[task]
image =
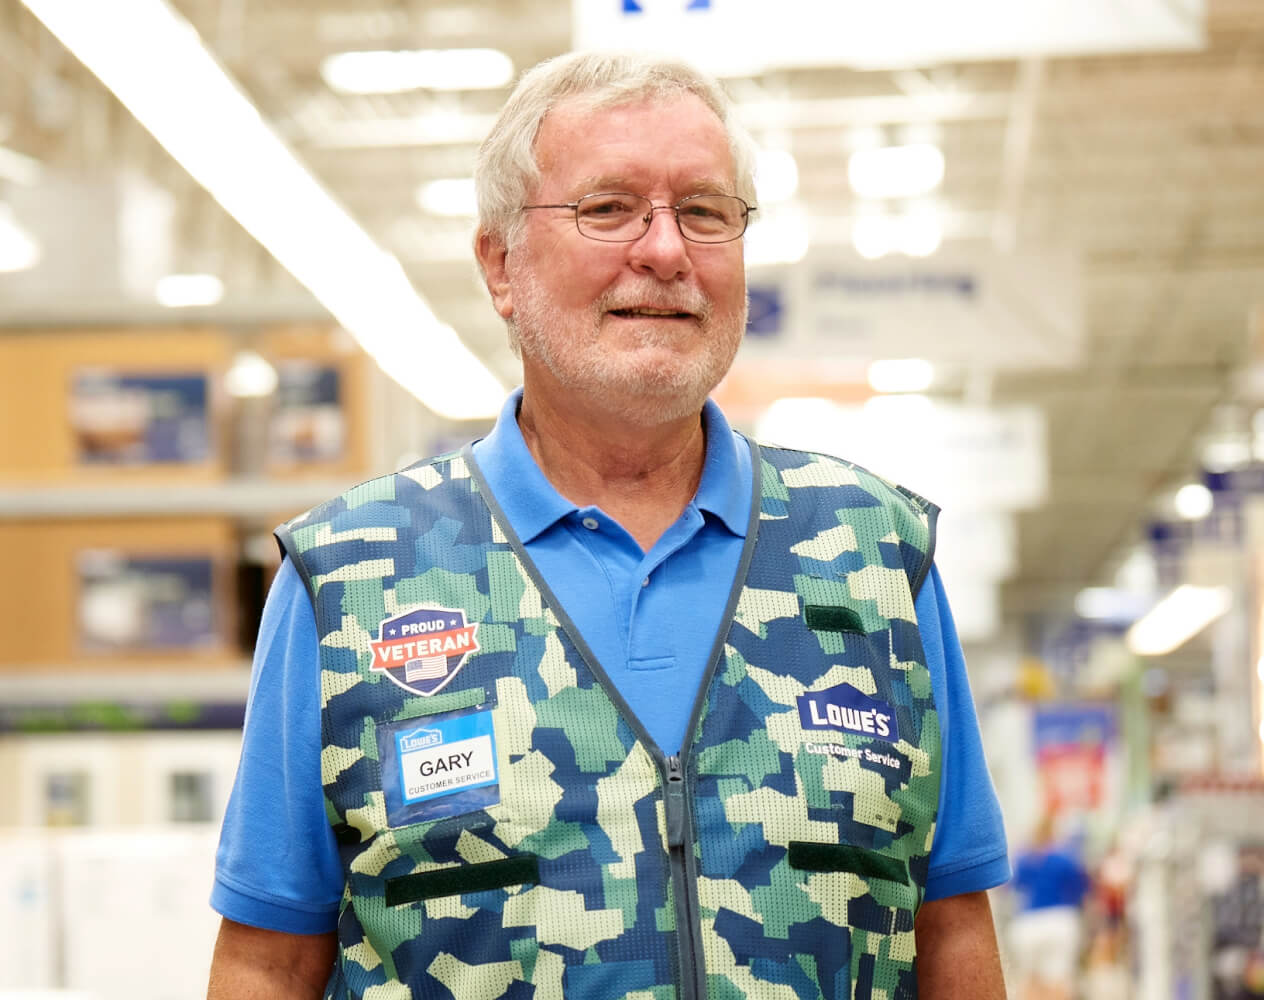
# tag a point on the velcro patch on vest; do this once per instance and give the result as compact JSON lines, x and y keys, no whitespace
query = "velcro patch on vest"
{"x":807,"y":856}
{"x":438,"y":766}
{"x":521,"y":869}
{"x":830,"y":618}
{"x":845,"y":709}
{"x":422,"y":649}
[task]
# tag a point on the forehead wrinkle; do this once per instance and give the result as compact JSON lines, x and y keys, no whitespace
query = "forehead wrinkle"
{"x":614,"y":183}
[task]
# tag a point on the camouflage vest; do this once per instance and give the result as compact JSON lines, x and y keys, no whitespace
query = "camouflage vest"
{"x":509,"y":830}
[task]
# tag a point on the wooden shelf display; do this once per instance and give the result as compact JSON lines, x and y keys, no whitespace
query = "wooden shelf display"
{"x":129,"y":476}
{"x":317,"y":420}
{"x":93,"y":590}
{"x":150,"y":406}
{"x":102,"y":405}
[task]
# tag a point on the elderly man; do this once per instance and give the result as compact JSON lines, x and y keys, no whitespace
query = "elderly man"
{"x":613,"y":702}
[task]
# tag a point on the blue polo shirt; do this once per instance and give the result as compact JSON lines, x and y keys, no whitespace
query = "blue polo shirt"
{"x":650,"y":618}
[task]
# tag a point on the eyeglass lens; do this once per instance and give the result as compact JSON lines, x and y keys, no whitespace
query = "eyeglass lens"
{"x":618,"y":217}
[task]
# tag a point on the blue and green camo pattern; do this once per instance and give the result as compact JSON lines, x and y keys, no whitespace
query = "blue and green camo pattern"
{"x":782,"y":855}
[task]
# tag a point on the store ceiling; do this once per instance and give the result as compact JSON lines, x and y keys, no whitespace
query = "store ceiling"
{"x":1150,"y":166}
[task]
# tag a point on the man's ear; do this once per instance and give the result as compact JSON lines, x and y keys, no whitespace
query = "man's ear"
{"x":493,"y":259}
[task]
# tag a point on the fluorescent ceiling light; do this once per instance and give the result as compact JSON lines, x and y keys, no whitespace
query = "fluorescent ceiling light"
{"x":251,"y":376}
{"x":19,"y":250}
{"x":1177,"y":618}
{"x":449,"y":196}
{"x":901,"y":375}
{"x":1225,"y":453}
{"x":900,"y":414}
{"x":419,"y":69}
{"x":916,"y":234}
{"x":778,"y":236}
{"x":872,"y":236}
{"x":1110,"y":604}
{"x":920,"y":234}
{"x":776,"y":176}
{"x":180,"y":290}
{"x":1096,"y":602}
{"x":896,"y":171}
{"x":154,"y":62}
{"x":1193,"y":501}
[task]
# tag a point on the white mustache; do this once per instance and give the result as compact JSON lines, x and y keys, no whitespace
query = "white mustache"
{"x":684,"y":299}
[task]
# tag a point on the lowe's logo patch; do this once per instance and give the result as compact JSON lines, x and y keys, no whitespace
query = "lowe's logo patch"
{"x":422,"y":649}
{"x":845,"y":709}
{"x":420,"y":739}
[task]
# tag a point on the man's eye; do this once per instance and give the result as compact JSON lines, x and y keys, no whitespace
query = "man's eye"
{"x":606,"y":207}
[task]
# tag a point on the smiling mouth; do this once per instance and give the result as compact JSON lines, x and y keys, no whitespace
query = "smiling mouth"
{"x":645,"y":312}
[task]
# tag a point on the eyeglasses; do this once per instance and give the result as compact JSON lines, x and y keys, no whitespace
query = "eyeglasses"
{"x":619,"y":217}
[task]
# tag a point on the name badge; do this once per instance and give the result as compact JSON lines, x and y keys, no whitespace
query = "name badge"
{"x":439,"y":766}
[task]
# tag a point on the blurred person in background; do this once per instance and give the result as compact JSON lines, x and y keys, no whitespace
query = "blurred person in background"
{"x":1106,"y":913}
{"x":613,"y":701}
{"x":1046,"y":931}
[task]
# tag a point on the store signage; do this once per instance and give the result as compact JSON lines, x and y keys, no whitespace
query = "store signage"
{"x":965,"y":458}
{"x":1073,"y":744}
{"x":741,"y":37}
{"x":971,"y":307}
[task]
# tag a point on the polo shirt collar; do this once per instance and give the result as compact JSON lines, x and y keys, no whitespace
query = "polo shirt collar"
{"x":533,"y":506}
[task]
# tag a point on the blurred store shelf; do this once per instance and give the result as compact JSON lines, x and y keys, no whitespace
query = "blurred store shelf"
{"x":233,"y":497}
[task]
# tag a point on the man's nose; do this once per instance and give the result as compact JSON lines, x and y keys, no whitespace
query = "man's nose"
{"x":662,"y":249}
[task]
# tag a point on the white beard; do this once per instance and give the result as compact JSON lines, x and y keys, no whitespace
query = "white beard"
{"x":633,"y":390}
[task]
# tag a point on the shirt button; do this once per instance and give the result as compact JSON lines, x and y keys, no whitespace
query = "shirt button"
{"x":645,"y":582}
{"x":590,"y":523}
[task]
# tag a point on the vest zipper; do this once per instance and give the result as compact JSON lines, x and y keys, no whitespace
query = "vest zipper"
{"x":676,"y":810}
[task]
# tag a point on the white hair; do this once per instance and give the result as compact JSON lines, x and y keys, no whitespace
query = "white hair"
{"x":505,"y":169}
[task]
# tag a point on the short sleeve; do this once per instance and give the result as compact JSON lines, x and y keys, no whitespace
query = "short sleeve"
{"x":277,"y":864}
{"x":969,"y":852}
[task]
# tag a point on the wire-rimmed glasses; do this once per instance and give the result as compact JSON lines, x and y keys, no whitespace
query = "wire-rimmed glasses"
{"x":620,"y":217}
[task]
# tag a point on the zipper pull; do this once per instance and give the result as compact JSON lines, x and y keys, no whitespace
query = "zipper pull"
{"x":674,"y":803}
